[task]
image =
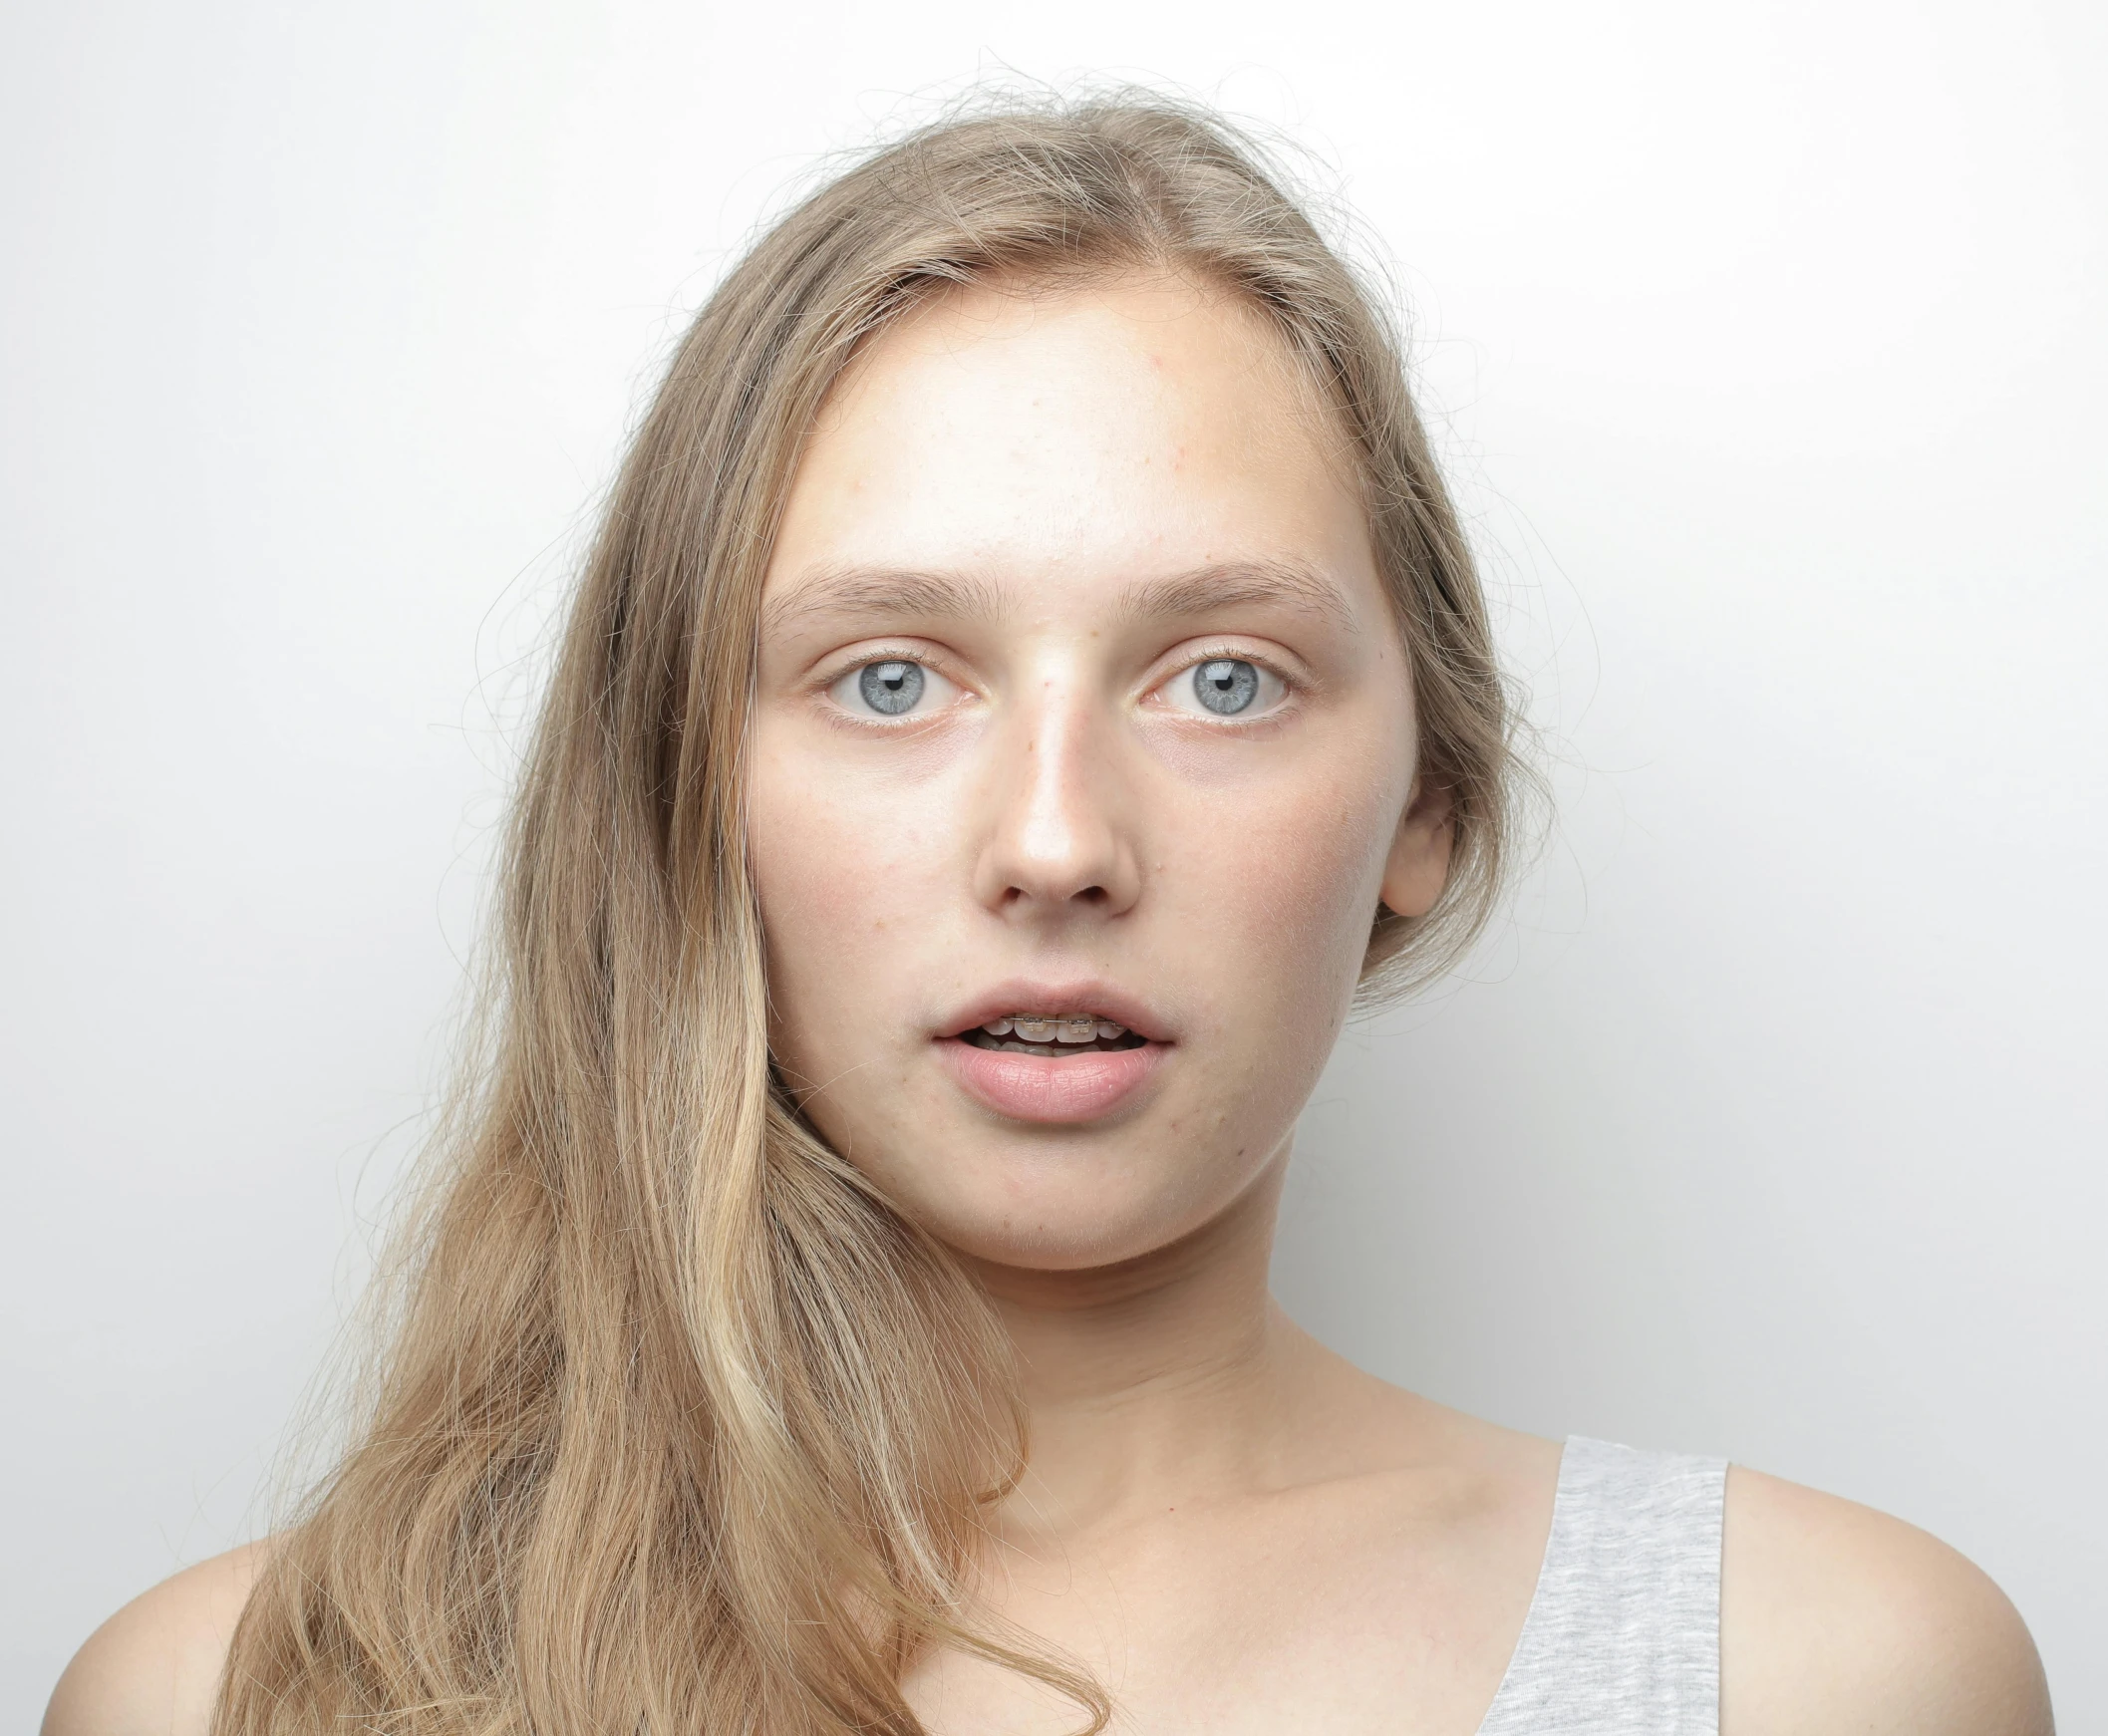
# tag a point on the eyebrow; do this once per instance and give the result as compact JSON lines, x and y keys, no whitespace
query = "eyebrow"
{"x":1289,"y":584}
{"x":885,"y":593}
{"x":881,"y":593}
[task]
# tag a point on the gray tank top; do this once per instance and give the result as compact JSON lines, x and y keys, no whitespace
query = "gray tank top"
{"x":1622,"y":1637}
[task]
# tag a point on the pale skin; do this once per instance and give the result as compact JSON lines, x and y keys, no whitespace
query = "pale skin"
{"x":1094,"y":491}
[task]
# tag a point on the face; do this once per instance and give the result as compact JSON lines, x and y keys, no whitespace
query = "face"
{"x":1084,"y":752}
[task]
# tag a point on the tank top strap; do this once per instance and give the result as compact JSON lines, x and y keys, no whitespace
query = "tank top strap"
{"x":1622,"y":1637}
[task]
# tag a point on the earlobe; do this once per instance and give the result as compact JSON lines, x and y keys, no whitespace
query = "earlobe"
{"x":1418,"y":865}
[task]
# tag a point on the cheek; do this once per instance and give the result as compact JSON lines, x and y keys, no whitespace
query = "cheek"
{"x":806,"y":885}
{"x":846,"y":875}
{"x":1295,"y":868}
{"x":1274,"y":902}
{"x":1326,"y":868}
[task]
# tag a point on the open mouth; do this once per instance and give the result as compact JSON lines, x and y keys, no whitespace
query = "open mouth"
{"x":1066,"y":1067}
{"x":1055,"y":1035}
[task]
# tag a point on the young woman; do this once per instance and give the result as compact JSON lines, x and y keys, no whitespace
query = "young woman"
{"x":1028,"y":685}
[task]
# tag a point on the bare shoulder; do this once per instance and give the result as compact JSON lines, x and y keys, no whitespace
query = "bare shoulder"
{"x":1835,"y":1617}
{"x":151,"y":1670}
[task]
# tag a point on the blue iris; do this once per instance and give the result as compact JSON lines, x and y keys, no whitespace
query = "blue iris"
{"x":1226,"y":685}
{"x":891,"y":687}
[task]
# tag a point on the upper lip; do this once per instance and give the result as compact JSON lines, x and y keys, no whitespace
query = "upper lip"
{"x":1073,"y":996}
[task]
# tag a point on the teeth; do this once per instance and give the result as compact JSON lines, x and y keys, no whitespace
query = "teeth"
{"x":1074,"y":1027}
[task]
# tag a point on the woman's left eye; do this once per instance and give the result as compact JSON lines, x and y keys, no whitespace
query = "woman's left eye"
{"x":892,"y":687}
{"x":1225,"y":686}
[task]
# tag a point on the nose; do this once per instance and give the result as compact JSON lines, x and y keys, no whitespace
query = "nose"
{"x":1059,"y":841}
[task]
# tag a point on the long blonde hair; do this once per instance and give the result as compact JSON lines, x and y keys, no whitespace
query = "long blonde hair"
{"x":683,"y":1428}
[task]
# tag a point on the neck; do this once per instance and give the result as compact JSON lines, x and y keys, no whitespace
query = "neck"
{"x":1156,"y":1380}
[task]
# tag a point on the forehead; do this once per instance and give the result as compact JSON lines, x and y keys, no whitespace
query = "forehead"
{"x":1112,"y":432}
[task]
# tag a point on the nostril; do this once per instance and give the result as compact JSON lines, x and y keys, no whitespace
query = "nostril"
{"x":1087,"y":895}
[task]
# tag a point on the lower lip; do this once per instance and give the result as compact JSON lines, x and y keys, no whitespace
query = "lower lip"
{"x":1053,"y":1090}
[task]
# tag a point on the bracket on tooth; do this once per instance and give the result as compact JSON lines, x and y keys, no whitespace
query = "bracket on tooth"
{"x":1076,"y":1028}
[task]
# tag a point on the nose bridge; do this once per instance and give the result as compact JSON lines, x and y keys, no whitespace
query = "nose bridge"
{"x":1061,"y":839}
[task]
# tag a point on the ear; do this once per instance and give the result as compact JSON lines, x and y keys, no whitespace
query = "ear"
{"x":1418,"y":865}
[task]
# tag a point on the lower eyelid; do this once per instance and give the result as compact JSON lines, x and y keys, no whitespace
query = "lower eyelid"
{"x":1290,"y":688}
{"x":953,"y":690}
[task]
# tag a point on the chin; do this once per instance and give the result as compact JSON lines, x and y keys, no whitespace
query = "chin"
{"x":1055,"y":1248}
{"x":1021,"y":1217}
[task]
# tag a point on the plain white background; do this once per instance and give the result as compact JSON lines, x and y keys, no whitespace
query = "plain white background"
{"x":1765,"y":344}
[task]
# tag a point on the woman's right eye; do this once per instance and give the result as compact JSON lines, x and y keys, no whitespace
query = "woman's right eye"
{"x":893,"y":687}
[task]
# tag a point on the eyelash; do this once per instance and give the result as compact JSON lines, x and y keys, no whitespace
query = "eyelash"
{"x":883,"y":653}
{"x":833,"y":672}
{"x":1235,"y":654}
{"x":1240,"y":654}
{"x":913,"y":654}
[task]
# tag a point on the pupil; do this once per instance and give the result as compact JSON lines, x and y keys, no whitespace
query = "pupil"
{"x":891,"y":687}
{"x":1227,"y":686}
